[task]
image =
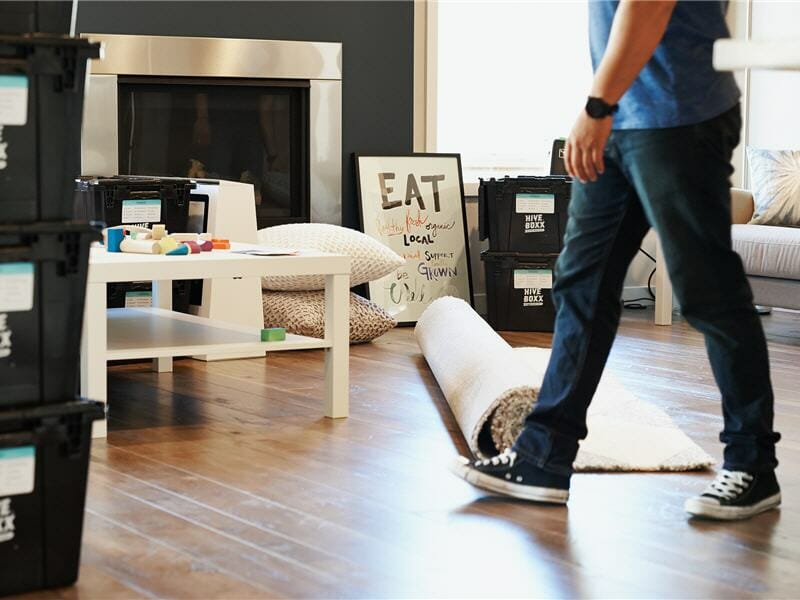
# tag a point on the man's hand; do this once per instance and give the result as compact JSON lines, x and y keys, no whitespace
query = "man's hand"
{"x":583,"y":154}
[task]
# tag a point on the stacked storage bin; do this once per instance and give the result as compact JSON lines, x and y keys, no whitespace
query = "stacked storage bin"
{"x":145,"y":201}
{"x":524,"y":219}
{"x":45,"y":430}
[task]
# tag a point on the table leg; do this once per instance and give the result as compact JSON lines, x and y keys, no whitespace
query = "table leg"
{"x":663,"y":289}
{"x":93,"y":350}
{"x":162,"y":298}
{"x":337,"y":357}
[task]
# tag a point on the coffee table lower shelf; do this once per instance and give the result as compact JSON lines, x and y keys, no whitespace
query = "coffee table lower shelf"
{"x":135,"y":333}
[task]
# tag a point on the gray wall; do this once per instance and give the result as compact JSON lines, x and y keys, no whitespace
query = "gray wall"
{"x":377,"y":37}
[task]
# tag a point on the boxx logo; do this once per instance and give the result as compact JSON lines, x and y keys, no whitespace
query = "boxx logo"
{"x":533,"y":297}
{"x":534,"y":223}
{"x":7,"y":527}
{"x":3,"y":151}
{"x":5,"y":336}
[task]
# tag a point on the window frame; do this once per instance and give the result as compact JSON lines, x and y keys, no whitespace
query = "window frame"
{"x":426,"y":22}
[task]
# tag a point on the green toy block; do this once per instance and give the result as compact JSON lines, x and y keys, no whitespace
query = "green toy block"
{"x":273,"y":334}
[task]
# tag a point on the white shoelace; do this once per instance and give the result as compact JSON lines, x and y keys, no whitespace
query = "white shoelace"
{"x":729,"y":484}
{"x":507,"y":457}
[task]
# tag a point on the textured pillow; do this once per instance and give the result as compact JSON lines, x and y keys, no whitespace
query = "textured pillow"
{"x":775,"y":179}
{"x":370,"y":259}
{"x":303,"y":313}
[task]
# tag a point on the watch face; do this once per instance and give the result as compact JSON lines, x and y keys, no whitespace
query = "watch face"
{"x":596,"y":108}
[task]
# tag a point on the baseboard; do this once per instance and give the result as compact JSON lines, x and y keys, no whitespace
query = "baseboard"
{"x":632,"y":292}
{"x":479,"y":303}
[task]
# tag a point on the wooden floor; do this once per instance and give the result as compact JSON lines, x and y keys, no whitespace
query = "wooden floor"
{"x":222,"y":480}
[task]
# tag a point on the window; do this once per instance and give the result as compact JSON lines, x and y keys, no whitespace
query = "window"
{"x":511,"y":77}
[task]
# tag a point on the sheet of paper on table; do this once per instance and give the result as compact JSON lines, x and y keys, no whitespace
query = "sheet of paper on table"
{"x":265,"y":251}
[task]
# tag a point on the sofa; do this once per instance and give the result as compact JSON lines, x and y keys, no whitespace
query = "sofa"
{"x":771,"y":255}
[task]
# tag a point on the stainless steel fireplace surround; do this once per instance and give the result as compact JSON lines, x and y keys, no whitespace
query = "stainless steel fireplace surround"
{"x":319,"y":64}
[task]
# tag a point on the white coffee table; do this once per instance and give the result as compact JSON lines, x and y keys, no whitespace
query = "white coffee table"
{"x":160,"y":334}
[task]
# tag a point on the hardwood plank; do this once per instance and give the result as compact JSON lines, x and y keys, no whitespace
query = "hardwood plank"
{"x":223,"y":480}
{"x":156,"y":568}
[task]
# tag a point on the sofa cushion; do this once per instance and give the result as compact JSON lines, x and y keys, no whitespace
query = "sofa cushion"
{"x":775,"y":176}
{"x":768,"y":251}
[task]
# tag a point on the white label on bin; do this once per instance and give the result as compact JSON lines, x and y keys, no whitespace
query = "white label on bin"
{"x":141,"y":211}
{"x":16,"y":286}
{"x":536,"y":203}
{"x":138,"y":299}
{"x":17,"y":472}
{"x":533,"y":278}
{"x":13,"y":100}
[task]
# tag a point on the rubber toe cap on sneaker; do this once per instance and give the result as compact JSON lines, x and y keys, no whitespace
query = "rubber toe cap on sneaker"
{"x":459,"y":466}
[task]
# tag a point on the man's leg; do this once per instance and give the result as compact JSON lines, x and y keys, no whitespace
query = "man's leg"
{"x":605,"y":230}
{"x":682,"y":178}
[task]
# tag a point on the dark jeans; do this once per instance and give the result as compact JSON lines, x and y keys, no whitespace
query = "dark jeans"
{"x":676,"y":179}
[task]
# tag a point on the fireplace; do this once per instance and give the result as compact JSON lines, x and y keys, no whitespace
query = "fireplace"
{"x":254,"y":132}
{"x":263,"y":112}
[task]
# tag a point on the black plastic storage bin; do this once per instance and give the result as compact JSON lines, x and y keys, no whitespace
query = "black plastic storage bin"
{"x":50,"y":16}
{"x":41,"y":508}
{"x":139,"y":293}
{"x":42,"y":80}
{"x":525,"y":215}
{"x":43,"y":269}
{"x":133,"y":200}
{"x":519,"y":291}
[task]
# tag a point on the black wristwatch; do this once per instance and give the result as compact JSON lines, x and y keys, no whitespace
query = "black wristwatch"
{"x":597,"y":108}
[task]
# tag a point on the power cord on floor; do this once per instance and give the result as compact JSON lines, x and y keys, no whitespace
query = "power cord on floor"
{"x":636,"y":303}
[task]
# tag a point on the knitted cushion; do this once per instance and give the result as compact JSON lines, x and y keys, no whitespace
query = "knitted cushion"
{"x":303,"y":313}
{"x":370,"y":259}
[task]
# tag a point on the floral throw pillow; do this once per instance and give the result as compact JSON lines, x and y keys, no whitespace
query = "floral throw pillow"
{"x":775,"y":179}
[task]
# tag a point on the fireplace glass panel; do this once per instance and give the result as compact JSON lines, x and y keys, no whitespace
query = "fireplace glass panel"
{"x":239,"y":130}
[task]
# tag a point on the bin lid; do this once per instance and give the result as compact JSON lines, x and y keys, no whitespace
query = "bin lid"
{"x":523,"y":179}
{"x":49,"y":39}
{"x":489,"y":256}
{"x":91,"y":409}
{"x":113,"y":181}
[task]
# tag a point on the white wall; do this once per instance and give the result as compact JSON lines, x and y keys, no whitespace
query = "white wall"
{"x":774,"y":95}
{"x":738,"y":23}
{"x":639,"y":271}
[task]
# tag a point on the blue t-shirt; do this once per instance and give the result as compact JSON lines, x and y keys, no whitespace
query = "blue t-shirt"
{"x":678,"y":86}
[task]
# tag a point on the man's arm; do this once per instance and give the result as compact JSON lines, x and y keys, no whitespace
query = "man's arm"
{"x":636,"y":32}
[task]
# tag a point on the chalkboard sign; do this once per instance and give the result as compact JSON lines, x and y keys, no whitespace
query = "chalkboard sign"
{"x":415,"y":205}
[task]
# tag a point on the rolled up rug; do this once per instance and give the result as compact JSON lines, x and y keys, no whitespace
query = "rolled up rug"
{"x":491,"y":387}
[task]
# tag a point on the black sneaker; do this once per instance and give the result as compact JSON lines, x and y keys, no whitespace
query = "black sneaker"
{"x":511,"y":475}
{"x":736,"y":495}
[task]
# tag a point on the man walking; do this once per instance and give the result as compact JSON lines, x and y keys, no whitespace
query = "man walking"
{"x":652,"y":148}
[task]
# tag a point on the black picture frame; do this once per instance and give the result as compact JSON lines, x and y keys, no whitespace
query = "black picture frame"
{"x":359,"y":192}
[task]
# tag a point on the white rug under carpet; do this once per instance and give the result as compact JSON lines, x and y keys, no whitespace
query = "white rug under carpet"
{"x":491,"y":387}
